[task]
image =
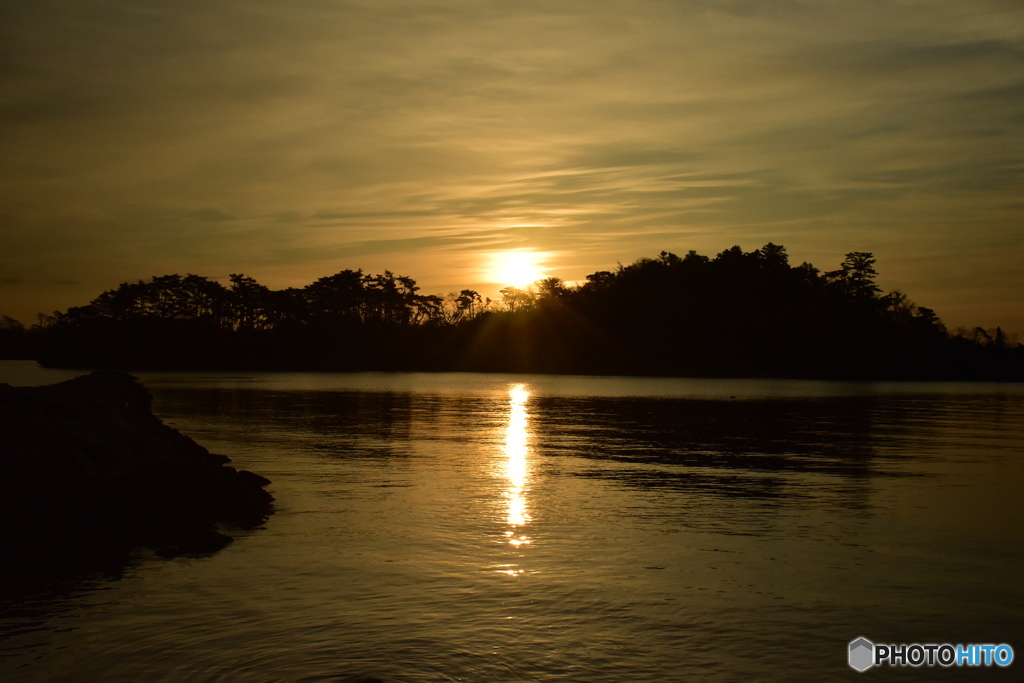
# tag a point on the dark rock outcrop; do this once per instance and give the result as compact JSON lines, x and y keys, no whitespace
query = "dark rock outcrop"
{"x":87,"y":473}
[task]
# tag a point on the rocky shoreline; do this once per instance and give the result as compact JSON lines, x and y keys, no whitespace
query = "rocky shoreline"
{"x":88,"y":473}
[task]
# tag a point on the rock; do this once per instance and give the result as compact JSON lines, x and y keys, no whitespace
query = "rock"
{"x":87,"y":472}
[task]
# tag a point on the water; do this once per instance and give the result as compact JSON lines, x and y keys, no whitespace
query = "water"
{"x":520,"y":528}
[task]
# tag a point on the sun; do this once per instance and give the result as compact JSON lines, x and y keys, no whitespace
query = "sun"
{"x":516,"y":267}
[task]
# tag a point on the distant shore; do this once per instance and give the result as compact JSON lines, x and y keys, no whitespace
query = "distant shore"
{"x":739,"y":314}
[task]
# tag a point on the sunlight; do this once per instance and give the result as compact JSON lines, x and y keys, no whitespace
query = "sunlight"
{"x":516,"y":466}
{"x":518,"y":267}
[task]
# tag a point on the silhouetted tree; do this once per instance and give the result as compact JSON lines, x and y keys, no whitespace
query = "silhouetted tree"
{"x":772,"y":257}
{"x":516,"y":299}
{"x":336,"y":300}
{"x":737,"y":314}
{"x":856,"y":276}
{"x":551,"y":290}
{"x":249,"y":302}
{"x":469,"y":304}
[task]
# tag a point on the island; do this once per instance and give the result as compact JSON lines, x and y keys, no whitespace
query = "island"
{"x":738,"y":314}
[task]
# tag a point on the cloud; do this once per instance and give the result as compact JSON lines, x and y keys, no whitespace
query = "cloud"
{"x":287,"y":136}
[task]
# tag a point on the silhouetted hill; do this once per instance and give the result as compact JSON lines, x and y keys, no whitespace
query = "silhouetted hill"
{"x":739,"y":314}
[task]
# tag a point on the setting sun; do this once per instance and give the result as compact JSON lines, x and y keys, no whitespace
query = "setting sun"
{"x":517,"y":268}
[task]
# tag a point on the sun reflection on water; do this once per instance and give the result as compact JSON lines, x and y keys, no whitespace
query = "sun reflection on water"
{"x":517,"y":450}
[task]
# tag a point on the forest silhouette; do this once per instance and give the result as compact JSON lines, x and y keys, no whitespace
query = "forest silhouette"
{"x":739,"y":314}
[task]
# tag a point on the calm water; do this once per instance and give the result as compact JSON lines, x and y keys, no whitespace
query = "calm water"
{"x":524,"y":528}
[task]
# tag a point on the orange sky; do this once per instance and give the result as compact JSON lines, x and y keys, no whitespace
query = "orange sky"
{"x":289,"y":140}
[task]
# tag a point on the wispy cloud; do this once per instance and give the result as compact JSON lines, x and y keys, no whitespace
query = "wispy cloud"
{"x":291,"y":139}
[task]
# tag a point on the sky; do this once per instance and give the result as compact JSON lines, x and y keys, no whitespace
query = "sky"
{"x":291,"y":139}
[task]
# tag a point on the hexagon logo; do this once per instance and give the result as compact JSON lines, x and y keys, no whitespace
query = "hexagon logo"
{"x":862,"y":654}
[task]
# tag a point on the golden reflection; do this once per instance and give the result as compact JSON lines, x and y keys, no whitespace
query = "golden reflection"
{"x":517,"y":450}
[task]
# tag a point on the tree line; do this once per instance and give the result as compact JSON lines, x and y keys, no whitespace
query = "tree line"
{"x":738,"y":314}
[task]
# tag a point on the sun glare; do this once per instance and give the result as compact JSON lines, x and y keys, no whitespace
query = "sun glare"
{"x":517,"y":268}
